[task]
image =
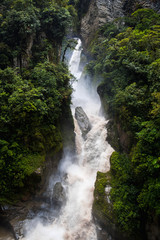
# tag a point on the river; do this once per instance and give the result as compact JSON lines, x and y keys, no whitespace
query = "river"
{"x":76,"y":173}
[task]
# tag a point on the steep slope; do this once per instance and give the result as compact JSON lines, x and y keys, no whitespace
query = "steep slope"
{"x":127,"y":59}
{"x":103,"y":11}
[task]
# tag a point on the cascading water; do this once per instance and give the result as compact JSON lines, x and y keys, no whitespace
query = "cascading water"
{"x":77,"y":173}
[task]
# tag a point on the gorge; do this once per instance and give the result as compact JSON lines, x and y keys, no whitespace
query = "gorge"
{"x":76,"y":173}
{"x":59,"y":184}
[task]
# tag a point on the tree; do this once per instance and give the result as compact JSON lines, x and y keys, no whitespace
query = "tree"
{"x":128,"y":63}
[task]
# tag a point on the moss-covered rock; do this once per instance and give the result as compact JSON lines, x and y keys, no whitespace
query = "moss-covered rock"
{"x":101,"y":206}
{"x":103,"y":209}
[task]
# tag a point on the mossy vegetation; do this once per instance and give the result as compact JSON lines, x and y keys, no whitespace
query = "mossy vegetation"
{"x":101,"y":205}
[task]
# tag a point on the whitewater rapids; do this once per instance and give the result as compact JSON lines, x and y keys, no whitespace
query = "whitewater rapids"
{"x":77,"y":173}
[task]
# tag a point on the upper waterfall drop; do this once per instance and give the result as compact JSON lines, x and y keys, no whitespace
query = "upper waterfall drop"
{"x":75,"y":60}
{"x":84,"y":95}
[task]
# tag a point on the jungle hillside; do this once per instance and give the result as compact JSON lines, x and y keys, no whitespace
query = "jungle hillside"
{"x":126,"y":56}
{"x":34,"y":89}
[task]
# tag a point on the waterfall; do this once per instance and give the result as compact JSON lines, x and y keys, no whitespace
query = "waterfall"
{"x":77,"y":173}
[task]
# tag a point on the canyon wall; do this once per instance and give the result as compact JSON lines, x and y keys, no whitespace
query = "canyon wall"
{"x":99,"y":12}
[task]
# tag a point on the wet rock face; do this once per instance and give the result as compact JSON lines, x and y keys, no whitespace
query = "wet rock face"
{"x":103,"y":11}
{"x":89,"y":24}
{"x":99,"y":13}
{"x":59,"y":196}
{"x":83,"y":121}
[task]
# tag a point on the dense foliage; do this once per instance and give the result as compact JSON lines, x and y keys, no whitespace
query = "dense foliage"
{"x":24,"y":22}
{"x":34,"y":88}
{"x":128,"y":59}
{"x":102,"y":208}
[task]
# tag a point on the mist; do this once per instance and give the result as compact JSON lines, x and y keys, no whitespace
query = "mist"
{"x":76,"y":173}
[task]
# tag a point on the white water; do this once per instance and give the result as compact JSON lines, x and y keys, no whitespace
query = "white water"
{"x":78,"y":173}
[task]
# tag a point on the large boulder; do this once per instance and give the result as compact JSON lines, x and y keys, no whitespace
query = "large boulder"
{"x":59,"y":196}
{"x":83,"y":121}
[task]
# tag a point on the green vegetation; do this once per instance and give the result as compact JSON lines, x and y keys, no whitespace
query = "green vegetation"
{"x":101,"y":207}
{"x":30,"y":28}
{"x":128,"y":59}
{"x":34,"y":88}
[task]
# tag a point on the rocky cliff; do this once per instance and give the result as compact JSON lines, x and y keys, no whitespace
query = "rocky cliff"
{"x":103,"y":11}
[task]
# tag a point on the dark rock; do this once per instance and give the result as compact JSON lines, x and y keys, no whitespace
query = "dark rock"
{"x":83,"y":6}
{"x":82,"y":120}
{"x":59,"y":196}
{"x":119,"y":139}
{"x":67,"y":128}
{"x":23,"y":60}
{"x":6,"y":229}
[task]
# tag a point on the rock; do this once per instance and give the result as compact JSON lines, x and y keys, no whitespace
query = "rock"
{"x":102,"y":210}
{"x":59,"y":196}
{"x":102,"y":11}
{"x":132,"y":5}
{"x":99,"y":13}
{"x":23,"y":60}
{"x":6,"y":229}
{"x":120,"y":140}
{"x":83,"y":121}
{"x":67,"y":128}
